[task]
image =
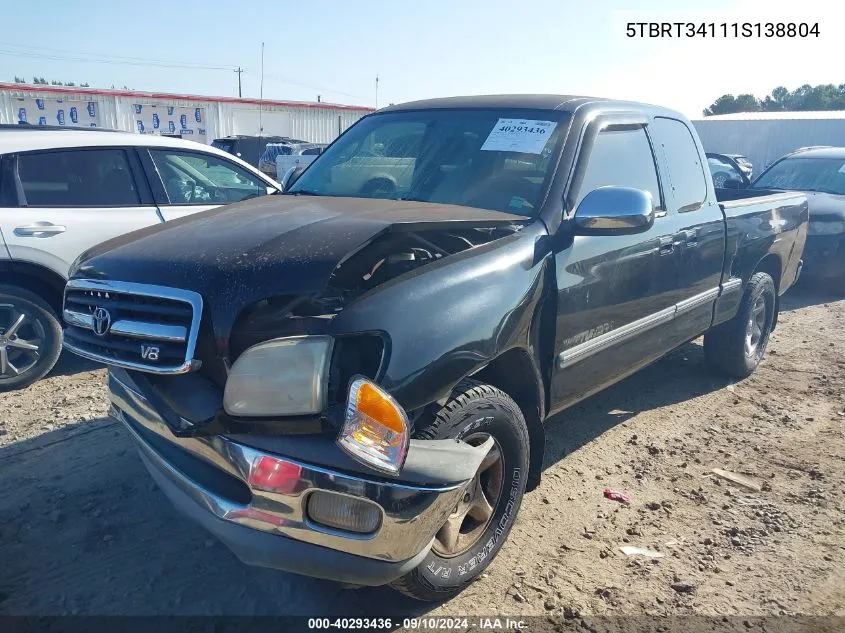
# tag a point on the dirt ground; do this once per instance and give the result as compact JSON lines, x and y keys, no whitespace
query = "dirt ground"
{"x":84,"y":530}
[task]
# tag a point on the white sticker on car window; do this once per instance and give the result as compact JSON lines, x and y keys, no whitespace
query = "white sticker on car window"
{"x":842,"y":169}
{"x":519,"y":135}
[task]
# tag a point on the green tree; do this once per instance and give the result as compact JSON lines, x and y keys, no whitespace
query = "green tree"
{"x":806,"y":97}
{"x":728,"y":104}
{"x":19,"y":80}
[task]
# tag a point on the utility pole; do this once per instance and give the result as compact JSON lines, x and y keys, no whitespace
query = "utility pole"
{"x":376,"y":91}
{"x":239,"y":71}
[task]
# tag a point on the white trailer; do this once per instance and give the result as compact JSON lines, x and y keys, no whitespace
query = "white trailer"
{"x":764,"y":137}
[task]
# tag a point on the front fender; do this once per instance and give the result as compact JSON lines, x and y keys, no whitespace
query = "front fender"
{"x":453,"y":317}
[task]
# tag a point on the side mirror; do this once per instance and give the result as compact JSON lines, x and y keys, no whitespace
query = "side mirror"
{"x":614,"y":211}
{"x":733,"y":183}
{"x":291,"y":175}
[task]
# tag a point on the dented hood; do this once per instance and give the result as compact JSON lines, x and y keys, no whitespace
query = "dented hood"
{"x":274,"y":245}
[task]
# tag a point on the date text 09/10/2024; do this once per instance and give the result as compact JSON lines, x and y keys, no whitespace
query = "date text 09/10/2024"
{"x":722,"y":29}
{"x":421,"y":624}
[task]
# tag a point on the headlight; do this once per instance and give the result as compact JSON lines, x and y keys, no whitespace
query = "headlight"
{"x":285,"y":376}
{"x":826,"y":228}
{"x":375,"y":431}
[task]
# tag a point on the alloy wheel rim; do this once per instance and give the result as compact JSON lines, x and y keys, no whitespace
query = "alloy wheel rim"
{"x":22,"y":335}
{"x":474,"y":511}
{"x":754,"y":331}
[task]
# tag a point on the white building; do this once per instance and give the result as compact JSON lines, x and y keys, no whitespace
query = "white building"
{"x":193,"y":117}
{"x":766,"y":136}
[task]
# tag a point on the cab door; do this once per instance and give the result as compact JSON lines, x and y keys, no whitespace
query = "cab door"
{"x":60,"y":202}
{"x":616,"y":293}
{"x":697,"y":224}
{"x":190,"y":181}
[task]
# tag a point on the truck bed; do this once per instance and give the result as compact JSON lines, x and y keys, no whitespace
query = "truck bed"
{"x":760,"y":222}
{"x":742,"y":197}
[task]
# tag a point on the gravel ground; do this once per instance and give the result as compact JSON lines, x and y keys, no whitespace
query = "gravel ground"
{"x":84,"y":530}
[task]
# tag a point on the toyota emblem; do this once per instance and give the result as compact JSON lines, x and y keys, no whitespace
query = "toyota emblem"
{"x":102,"y":321}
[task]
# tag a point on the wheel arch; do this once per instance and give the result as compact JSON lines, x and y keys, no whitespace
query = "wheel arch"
{"x":38,"y":279}
{"x":515,"y":372}
{"x":772,"y":265}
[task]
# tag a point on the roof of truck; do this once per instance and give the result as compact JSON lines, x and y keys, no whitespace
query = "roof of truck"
{"x":561,"y":103}
{"x":819,"y":152}
{"x":528,"y":102}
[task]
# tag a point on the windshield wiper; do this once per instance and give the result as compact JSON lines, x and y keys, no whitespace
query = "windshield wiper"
{"x":302,"y":192}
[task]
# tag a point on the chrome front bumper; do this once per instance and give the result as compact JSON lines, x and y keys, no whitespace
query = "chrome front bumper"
{"x":411,"y":514}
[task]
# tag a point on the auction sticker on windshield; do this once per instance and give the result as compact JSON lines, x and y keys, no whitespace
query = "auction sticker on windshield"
{"x":519,"y":135}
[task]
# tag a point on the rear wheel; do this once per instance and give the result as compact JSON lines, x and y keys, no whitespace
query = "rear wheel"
{"x":482,"y":519}
{"x":736,"y":348}
{"x":30,"y":338}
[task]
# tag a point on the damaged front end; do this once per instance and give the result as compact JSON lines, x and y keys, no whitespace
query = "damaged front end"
{"x":297,"y":502}
{"x":283,"y":412}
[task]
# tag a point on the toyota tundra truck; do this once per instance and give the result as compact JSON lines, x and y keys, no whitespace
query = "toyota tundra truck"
{"x":349,"y":379}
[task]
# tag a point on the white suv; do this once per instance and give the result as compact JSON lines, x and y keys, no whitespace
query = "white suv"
{"x":63,"y":191}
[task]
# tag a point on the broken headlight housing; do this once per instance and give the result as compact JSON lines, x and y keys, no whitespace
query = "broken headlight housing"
{"x":284,"y":376}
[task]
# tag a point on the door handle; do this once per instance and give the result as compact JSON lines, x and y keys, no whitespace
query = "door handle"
{"x":667,"y":245}
{"x":39,"y":229}
{"x":691,"y":237}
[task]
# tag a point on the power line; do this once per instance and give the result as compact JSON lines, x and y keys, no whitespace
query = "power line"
{"x":109,"y":61}
{"x":290,"y":82}
{"x":85,"y":56}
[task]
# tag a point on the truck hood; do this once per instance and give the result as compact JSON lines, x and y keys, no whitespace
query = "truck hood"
{"x":274,"y":245}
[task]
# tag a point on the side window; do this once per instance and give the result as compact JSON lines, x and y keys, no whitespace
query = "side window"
{"x":197,"y":178}
{"x":312,"y":151}
{"x":622,"y":158}
{"x":686,"y":175}
{"x":78,"y":178}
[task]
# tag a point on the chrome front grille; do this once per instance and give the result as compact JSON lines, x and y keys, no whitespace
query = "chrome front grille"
{"x":136,"y":326}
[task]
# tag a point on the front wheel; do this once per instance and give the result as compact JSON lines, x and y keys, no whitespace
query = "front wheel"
{"x":30,"y":338}
{"x":736,"y":348}
{"x":482,"y":519}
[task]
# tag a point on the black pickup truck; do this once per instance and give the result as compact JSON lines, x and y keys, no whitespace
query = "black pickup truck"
{"x":349,"y":380}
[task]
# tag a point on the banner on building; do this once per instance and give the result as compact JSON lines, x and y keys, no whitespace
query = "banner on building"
{"x":185,"y":121}
{"x":57,"y":111}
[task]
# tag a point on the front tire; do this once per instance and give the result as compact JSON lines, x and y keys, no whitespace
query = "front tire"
{"x":30,"y":338}
{"x":482,"y":520}
{"x":736,"y":347}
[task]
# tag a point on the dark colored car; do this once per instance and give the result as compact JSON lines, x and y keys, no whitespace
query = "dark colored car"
{"x":820,"y":174}
{"x":727,"y":173}
{"x":350,"y":380}
{"x":249,"y":148}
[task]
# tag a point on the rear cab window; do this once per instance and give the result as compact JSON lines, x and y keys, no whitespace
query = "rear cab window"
{"x":683,"y":163}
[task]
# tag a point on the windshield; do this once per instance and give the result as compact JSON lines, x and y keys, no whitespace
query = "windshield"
{"x":492,"y":159}
{"x":805,"y":174}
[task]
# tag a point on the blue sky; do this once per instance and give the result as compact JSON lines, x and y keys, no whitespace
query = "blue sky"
{"x":419,"y":48}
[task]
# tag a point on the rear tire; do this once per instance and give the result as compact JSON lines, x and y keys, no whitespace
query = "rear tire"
{"x":474,"y":412}
{"x":37,"y":326}
{"x":736,"y":347}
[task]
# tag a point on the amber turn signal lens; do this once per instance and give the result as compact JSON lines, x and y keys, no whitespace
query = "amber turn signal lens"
{"x":375,"y":431}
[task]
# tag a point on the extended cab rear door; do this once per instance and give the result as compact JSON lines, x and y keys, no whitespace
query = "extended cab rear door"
{"x":68,"y":200}
{"x":185,"y":182}
{"x":696,"y":223}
